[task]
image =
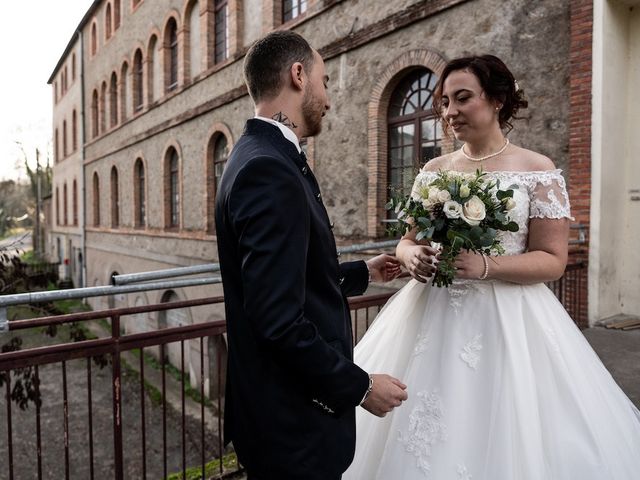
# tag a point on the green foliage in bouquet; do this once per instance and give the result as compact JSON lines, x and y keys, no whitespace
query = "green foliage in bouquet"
{"x":458,"y":211}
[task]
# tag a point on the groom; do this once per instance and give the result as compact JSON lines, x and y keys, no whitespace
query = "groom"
{"x":292,"y":386}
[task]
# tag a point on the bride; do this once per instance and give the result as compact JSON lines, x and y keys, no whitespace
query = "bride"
{"x":502,"y":385}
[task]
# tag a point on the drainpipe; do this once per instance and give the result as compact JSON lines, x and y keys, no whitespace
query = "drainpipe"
{"x":83,"y":230}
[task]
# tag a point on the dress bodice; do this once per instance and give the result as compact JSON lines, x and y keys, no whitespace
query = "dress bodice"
{"x":538,"y":194}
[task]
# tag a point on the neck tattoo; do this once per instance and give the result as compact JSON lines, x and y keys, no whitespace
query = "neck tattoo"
{"x":283,"y":119}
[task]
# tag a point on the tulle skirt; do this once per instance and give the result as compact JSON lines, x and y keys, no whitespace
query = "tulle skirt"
{"x":502,"y":386}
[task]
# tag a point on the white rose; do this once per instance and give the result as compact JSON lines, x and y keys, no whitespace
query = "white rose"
{"x":510,"y":203}
{"x":452,"y":209}
{"x":465,"y":191}
{"x":411,"y":221}
{"x":443,"y":196}
{"x":473,"y":211}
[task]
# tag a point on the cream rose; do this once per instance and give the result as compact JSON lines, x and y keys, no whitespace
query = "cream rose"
{"x":473,"y":211}
{"x":443,"y":196}
{"x":452,"y":209}
{"x":510,"y":203}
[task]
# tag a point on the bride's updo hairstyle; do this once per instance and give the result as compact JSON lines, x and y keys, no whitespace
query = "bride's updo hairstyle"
{"x":495,"y":79}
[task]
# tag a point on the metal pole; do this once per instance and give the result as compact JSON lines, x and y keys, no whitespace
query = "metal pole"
{"x":37,"y":233}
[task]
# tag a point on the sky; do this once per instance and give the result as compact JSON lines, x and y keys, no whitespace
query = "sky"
{"x":33,"y":38}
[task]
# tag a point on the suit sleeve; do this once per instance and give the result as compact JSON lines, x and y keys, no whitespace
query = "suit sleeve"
{"x":269,"y":211}
{"x":355,"y":278}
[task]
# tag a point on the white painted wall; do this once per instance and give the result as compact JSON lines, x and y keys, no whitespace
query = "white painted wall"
{"x":630,"y":271}
{"x":614,"y":277}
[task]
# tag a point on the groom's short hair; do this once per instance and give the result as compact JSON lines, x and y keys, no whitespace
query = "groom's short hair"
{"x":269,"y":59}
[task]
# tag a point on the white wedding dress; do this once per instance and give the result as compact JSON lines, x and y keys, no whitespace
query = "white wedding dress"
{"x":502,"y":385}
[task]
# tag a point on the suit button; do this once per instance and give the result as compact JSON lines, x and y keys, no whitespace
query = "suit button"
{"x":338,"y":254}
{"x":319,"y":197}
{"x":305,"y":170}
{"x":341,"y":280}
{"x":331,"y":225}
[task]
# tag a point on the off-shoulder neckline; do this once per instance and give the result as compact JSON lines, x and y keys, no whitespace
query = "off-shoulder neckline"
{"x":523,"y":172}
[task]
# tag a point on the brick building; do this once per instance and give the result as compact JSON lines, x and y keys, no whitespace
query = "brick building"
{"x":156,"y":91}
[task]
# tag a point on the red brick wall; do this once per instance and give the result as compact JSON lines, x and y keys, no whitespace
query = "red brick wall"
{"x":580,"y":58}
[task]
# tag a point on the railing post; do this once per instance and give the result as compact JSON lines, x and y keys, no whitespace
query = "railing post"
{"x":117,"y":398}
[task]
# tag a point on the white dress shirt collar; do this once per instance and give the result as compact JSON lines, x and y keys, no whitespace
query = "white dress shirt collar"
{"x":286,"y":131}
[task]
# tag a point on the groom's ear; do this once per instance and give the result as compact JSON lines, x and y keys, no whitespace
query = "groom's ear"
{"x":297,"y":76}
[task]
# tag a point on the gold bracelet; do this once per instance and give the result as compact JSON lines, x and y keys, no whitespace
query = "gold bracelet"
{"x":485,"y":274}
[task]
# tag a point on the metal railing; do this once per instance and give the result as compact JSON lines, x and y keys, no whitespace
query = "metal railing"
{"x":143,"y":458}
{"x":138,"y":366}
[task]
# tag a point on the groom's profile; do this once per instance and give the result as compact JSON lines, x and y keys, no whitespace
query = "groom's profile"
{"x":292,"y":387}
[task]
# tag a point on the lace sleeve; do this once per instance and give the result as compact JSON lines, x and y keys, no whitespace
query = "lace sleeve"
{"x":423,"y":179}
{"x":549,"y":197}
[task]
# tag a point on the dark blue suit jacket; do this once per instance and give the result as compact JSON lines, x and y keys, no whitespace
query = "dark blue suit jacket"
{"x":292,"y":387}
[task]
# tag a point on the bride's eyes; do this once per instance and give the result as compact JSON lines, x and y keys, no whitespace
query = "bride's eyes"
{"x":463,"y":98}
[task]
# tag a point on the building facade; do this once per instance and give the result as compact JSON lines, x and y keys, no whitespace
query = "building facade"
{"x":162,"y":101}
{"x":65,"y":234}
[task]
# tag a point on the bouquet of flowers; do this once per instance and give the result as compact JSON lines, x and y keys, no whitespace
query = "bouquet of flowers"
{"x":456,"y":210}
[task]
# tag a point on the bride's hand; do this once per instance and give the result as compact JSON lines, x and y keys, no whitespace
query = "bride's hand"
{"x":420,"y":261}
{"x":469,"y":265}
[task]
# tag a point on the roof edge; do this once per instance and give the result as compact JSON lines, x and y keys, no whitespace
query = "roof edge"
{"x":74,"y":37}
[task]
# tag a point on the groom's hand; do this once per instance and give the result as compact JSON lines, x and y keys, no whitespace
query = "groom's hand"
{"x":383,"y":268}
{"x":386,"y":394}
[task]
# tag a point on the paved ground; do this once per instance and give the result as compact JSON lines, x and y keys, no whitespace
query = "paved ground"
{"x":620,"y":352}
{"x":21,"y":241}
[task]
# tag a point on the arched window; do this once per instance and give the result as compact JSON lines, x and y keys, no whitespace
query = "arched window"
{"x":139,"y":194}
{"x":218,"y":153}
{"x":154,"y":70}
{"x":75,"y":202}
{"x":124,"y":99}
{"x":96,"y":199}
{"x":116,"y":14}
{"x":171,"y":55}
{"x":115,"y":199}
{"x":414,"y":134}
{"x":172,"y":189}
{"x":221,"y":28}
{"x":195,"y":61}
{"x":138,"y":98}
{"x":292,"y":9}
{"x":73,"y":67}
{"x":95,"y":122}
{"x":107,"y":22}
{"x":94,"y":39}
{"x":74,"y":130}
{"x":103,"y":107}
{"x":64,"y":139}
{"x":113,"y":99}
{"x":65,"y":205}
{"x":57,"y":206}
{"x":56,"y":150}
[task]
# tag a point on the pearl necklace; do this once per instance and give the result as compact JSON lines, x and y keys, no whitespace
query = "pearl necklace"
{"x":486,"y":157}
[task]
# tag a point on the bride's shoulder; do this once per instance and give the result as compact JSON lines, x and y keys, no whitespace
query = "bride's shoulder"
{"x":439,"y":163}
{"x":531,"y":161}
